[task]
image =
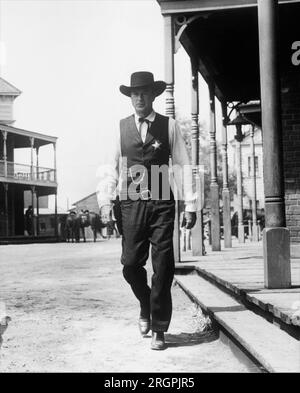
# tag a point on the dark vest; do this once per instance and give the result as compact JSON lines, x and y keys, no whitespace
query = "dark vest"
{"x":155,"y":151}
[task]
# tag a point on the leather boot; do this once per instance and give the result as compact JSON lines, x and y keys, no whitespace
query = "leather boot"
{"x":158,"y":341}
{"x":144,"y":326}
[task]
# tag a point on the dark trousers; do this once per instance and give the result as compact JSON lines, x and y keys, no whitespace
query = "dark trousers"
{"x":145,"y":223}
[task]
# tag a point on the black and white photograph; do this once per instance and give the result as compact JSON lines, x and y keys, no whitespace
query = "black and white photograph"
{"x":149,"y":189}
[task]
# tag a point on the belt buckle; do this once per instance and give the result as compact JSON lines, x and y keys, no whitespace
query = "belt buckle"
{"x":148,"y":195}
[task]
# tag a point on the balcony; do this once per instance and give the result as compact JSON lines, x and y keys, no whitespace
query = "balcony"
{"x":21,"y":173}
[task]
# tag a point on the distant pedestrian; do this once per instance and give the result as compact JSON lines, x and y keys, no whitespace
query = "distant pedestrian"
{"x":29,"y":220}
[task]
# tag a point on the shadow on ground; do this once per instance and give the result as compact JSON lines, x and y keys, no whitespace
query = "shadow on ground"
{"x":189,"y":339}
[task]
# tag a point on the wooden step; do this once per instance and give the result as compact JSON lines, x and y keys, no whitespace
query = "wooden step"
{"x":267,"y":300}
{"x":273,"y":348}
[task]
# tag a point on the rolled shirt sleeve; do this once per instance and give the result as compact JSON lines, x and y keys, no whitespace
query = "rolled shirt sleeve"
{"x":108,"y":174}
{"x":181,"y":167}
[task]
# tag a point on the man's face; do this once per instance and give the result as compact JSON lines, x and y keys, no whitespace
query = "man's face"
{"x":142,"y":99}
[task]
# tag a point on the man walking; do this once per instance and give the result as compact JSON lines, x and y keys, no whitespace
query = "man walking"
{"x":140,"y":168}
{"x":29,"y":220}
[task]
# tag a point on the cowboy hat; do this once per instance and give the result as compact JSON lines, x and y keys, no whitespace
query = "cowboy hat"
{"x":143,"y":79}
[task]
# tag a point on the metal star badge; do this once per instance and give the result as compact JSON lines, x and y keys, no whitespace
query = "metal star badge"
{"x":156,"y":145}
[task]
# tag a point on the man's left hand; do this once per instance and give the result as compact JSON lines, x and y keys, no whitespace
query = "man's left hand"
{"x":190,"y":219}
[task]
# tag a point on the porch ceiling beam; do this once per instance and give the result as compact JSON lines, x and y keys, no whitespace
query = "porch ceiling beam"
{"x":188,"y":6}
{"x":203,"y":68}
{"x":37,"y":136}
{"x":51,"y":184}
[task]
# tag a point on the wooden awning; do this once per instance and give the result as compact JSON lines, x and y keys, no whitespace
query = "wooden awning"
{"x":223,"y":38}
{"x":22,"y":137}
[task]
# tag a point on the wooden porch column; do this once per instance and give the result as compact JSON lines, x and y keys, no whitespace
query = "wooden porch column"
{"x":31,"y":157}
{"x":54,"y":161}
{"x":13,"y":211}
{"x":169,"y":65}
{"x":214,"y":187}
{"x":239,"y":180}
{"x":37,"y":162}
{"x":254,"y":195}
{"x":55,"y":215}
{"x":32,"y":203}
{"x":6,"y":208}
{"x":276,"y":237}
{"x":4,"y":134}
{"x":225,"y":191}
{"x":37,"y":213}
{"x":197,"y":231}
{"x":170,"y":110}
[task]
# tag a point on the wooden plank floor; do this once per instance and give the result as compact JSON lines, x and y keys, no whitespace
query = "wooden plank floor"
{"x":241,"y":269}
{"x":273,"y":348}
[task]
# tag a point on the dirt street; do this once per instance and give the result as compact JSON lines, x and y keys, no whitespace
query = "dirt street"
{"x":72,"y":310}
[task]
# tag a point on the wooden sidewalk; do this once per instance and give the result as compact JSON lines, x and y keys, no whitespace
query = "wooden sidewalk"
{"x":241,"y":271}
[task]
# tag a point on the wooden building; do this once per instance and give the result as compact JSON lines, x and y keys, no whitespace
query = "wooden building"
{"x":47,"y":222}
{"x":17,"y":177}
{"x":87,"y":203}
{"x":247,"y":170}
{"x":245,"y":50}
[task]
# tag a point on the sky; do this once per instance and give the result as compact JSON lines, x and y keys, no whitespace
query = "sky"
{"x":69,"y":57}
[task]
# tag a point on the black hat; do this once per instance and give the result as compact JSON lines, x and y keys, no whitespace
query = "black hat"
{"x":143,"y":79}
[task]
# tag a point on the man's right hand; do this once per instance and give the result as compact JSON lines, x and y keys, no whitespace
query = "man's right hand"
{"x":105,"y":213}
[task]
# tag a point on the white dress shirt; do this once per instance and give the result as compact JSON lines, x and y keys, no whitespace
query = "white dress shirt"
{"x":144,"y":126}
{"x":111,"y":174}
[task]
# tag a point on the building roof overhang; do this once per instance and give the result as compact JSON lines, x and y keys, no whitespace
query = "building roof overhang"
{"x":22,"y":138}
{"x":173,"y":7}
{"x":85,"y":198}
{"x":222,"y":37}
{"x":7,"y":89}
{"x":252,"y":112}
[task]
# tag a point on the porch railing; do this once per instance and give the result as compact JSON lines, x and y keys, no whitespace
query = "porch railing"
{"x":25,"y":172}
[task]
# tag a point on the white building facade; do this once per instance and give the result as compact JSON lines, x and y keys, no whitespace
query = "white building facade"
{"x":247,"y":175}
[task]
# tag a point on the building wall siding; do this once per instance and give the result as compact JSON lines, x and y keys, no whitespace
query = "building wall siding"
{"x":291,"y":151}
{"x":6,"y":109}
{"x":89,"y":203}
